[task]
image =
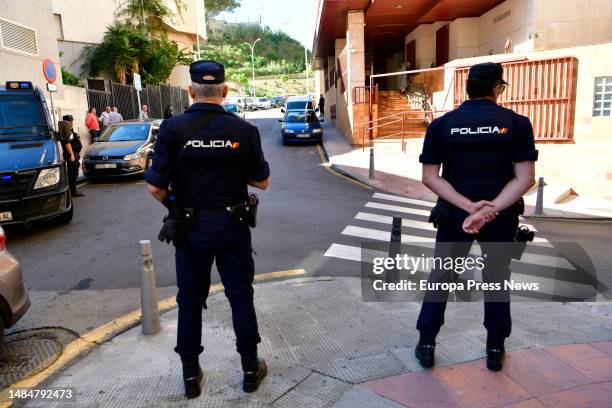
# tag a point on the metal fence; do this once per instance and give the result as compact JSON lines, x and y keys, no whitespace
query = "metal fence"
{"x":543,"y":90}
{"x":124,"y":97}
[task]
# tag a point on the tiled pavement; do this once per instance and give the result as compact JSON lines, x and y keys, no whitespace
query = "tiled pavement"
{"x":574,"y":375}
{"x":325,"y":347}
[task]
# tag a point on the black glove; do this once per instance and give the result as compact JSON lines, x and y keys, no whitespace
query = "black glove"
{"x":173,"y":230}
{"x":175,"y":225}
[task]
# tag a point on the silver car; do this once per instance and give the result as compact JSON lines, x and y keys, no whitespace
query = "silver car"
{"x":14,"y":300}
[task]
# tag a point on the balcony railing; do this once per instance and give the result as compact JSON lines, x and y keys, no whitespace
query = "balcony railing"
{"x":361,"y":94}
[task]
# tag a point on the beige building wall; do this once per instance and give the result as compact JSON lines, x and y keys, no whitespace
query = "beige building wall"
{"x":84,"y":21}
{"x":512,"y":18}
{"x":463,"y":38}
{"x":81,"y":23}
{"x":564,"y":23}
{"x":425,"y":41}
{"x":16,"y":65}
{"x":75,"y":104}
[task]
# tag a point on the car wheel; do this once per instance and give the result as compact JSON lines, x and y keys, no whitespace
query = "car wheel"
{"x":285,"y":142}
{"x":66,"y":217}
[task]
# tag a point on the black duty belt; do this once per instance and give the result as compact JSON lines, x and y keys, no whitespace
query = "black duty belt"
{"x":210,"y":210}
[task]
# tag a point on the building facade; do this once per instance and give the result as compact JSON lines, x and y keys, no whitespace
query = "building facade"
{"x":82,"y":23}
{"x":388,"y":67}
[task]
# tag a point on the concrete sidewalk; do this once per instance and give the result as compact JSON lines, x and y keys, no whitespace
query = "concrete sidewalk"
{"x":325,"y":347}
{"x":399,"y":172}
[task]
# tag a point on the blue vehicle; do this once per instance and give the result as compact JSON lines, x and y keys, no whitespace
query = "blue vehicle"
{"x":234,"y":108}
{"x":301,"y":126}
{"x":33,"y":175}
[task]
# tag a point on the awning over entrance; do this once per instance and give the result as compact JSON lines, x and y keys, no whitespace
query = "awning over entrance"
{"x":387,"y":22}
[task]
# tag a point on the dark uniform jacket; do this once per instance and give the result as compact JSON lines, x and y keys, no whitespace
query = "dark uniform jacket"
{"x":69,"y":136}
{"x":477,"y":145}
{"x":210,"y":169}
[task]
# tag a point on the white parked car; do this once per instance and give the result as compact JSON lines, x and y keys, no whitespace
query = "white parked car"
{"x":264,"y":103}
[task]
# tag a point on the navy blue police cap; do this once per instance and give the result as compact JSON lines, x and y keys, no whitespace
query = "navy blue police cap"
{"x":213,"y":71}
{"x":489,"y":71}
{"x":67,"y":118}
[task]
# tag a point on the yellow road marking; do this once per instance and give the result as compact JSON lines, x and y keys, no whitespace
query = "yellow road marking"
{"x":327,"y":166}
{"x":99,"y":335}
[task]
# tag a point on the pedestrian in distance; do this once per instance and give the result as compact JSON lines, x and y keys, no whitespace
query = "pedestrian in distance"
{"x":93,"y":124}
{"x":322,"y":105}
{"x":105,"y":117}
{"x":144,"y":113}
{"x":115,"y":116}
{"x":168,"y":113}
{"x":204,"y":161}
{"x":71,"y":145}
{"x":487,"y":156}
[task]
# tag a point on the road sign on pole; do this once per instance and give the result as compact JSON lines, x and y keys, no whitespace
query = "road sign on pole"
{"x":138,"y":86}
{"x":50,"y":73}
{"x":137,"y":82}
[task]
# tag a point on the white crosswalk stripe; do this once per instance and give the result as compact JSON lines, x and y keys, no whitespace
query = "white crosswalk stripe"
{"x":416,"y":211}
{"x":397,"y":208}
{"x":373,"y":224}
{"x":422,"y":225}
{"x":385,"y":236}
{"x":399,"y":199}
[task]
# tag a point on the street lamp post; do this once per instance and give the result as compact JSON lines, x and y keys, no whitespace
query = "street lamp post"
{"x":252,"y":46}
{"x":306,"y":63}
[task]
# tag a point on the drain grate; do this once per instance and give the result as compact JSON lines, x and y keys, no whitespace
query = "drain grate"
{"x":28,"y":352}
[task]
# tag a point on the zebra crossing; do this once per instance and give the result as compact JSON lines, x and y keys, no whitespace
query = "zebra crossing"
{"x":539,"y":263}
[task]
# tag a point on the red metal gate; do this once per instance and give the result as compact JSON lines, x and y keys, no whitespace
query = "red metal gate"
{"x":542,"y":90}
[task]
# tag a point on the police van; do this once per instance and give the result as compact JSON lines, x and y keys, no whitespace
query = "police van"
{"x":33,"y":176}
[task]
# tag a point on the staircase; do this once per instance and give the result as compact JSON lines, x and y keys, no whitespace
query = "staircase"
{"x":393,"y":103}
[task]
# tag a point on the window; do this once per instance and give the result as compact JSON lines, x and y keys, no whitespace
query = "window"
{"x":17,"y":37}
{"x":603,"y":97}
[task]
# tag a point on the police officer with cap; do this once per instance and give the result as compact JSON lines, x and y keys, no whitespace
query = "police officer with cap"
{"x":72,"y":146}
{"x":487,"y":155}
{"x":204,"y":160}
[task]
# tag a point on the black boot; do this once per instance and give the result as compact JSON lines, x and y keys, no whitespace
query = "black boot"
{"x":495,"y":353}
{"x":255,"y":369}
{"x":424,"y":352}
{"x":192,"y":377}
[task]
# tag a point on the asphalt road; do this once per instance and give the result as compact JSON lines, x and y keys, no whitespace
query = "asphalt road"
{"x":87,"y":273}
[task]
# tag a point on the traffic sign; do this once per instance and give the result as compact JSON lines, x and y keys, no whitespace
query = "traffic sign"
{"x":137,"y":82}
{"x":52,"y":87}
{"x":49,"y":70}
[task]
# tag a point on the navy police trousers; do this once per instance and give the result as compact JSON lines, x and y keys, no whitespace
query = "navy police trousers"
{"x":452,"y":241}
{"x":216,"y":236}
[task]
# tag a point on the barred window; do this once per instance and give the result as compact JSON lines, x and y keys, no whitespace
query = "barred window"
{"x":603,"y":96}
{"x":17,"y":37}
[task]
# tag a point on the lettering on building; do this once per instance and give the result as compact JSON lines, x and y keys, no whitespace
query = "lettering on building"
{"x":500,"y":17}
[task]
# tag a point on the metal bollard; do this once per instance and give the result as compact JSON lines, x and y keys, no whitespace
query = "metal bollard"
{"x":539,"y":207}
{"x":395,"y":247}
{"x":371,"y":174}
{"x":148,"y":291}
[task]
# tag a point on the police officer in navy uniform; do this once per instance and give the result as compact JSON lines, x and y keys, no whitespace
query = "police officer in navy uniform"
{"x":204,"y":160}
{"x":487,"y":155}
{"x":72,"y":146}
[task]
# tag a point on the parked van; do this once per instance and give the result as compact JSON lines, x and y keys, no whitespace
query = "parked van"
{"x":33,"y":176}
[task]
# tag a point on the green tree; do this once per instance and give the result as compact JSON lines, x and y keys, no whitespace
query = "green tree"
{"x":150,"y":13}
{"x":216,"y":7}
{"x":127,"y":49}
{"x":118,"y":52}
{"x":68,"y":78}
